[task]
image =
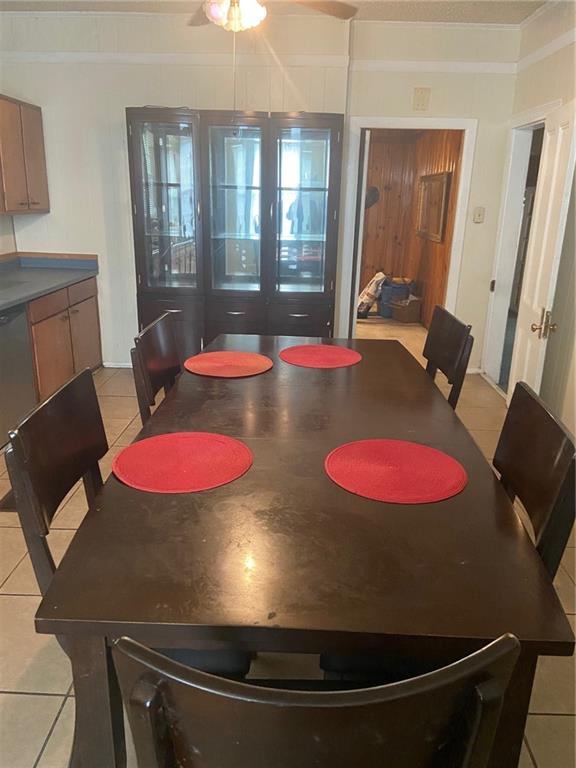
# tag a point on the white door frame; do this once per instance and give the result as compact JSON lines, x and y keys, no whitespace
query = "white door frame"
{"x":521,"y":127}
{"x":346,"y":281}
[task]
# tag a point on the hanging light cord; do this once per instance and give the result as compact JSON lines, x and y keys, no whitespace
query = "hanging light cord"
{"x":234,"y":67}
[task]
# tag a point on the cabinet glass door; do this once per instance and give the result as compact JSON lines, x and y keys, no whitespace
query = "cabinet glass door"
{"x":235,"y":179}
{"x":168,"y":199}
{"x":301,"y":206}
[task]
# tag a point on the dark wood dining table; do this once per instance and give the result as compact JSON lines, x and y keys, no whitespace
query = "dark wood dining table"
{"x":285,"y":560}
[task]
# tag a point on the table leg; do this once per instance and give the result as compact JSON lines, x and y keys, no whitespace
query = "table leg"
{"x":99,"y":727}
{"x":508,"y":742}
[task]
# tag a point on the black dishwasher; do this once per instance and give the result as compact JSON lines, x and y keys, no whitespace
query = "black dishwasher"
{"x":17,"y":390}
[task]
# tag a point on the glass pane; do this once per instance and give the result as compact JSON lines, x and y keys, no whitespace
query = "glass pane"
{"x":235,"y":181}
{"x":303,"y":173}
{"x":169,"y":204}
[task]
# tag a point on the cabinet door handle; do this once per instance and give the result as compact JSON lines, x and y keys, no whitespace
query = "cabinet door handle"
{"x":24,"y":203}
{"x":298,"y":314}
{"x":236,"y":313}
{"x":74,"y":311}
{"x":34,"y":202}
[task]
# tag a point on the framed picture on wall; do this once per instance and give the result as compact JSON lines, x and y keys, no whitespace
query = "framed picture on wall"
{"x":432,"y":204}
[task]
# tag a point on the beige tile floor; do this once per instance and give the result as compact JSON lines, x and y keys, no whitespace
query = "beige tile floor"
{"x":36,"y":699}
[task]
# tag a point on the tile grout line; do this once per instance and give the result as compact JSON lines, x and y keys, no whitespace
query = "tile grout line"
{"x":32,"y":693}
{"x":530,"y":753}
{"x":13,"y":569}
{"x":50,"y":732}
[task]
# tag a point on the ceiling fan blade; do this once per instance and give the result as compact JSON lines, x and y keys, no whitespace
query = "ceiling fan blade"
{"x":334,"y":8}
{"x":199,"y":18}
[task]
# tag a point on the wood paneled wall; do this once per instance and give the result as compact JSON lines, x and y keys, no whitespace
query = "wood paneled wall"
{"x":428,"y":262}
{"x":397,"y":160}
{"x":391,"y":168}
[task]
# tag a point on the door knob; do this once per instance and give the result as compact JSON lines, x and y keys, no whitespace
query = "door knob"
{"x":541,"y":327}
{"x":548,"y":326}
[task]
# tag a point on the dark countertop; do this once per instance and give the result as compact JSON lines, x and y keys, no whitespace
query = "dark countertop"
{"x":19,"y":285}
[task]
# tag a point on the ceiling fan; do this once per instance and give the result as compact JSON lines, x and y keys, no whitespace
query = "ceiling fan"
{"x":238,"y":15}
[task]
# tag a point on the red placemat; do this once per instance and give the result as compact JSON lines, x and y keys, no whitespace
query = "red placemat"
{"x":320,"y":356}
{"x":182,"y":462}
{"x":396,"y":471}
{"x":228,"y":365}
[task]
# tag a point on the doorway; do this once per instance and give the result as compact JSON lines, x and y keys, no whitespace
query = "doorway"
{"x":409,"y":190}
{"x":527,"y":288}
{"x":520,"y":260}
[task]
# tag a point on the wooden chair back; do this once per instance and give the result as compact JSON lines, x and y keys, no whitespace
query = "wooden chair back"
{"x":158,"y":358}
{"x":445,"y":719}
{"x":142,"y":393}
{"x":535,"y":459}
{"x":54,"y":447}
{"x":447,"y":348}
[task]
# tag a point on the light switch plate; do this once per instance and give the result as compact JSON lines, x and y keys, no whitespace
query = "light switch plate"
{"x":479,"y":215}
{"x":421,"y":99}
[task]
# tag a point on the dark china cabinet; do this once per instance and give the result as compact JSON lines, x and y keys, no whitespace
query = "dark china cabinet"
{"x":235,"y":220}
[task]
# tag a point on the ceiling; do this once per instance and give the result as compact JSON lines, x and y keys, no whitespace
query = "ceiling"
{"x":440,"y":11}
{"x":460,"y":12}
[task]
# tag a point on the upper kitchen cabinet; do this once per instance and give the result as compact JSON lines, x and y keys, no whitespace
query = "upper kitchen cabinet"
{"x":24,"y":187}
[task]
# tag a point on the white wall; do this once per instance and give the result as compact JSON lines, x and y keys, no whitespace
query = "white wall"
{"x":7,"y":239}
{"x":475,"y":80}
{"x":85,"y":69}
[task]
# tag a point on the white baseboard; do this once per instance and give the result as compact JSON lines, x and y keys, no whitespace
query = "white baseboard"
{"x":116,"y":365}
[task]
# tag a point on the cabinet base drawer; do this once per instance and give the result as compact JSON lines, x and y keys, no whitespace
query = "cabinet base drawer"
{"x":82,"y":291}
{"x":47,"y":306}
{"x":300,"y":320}
{"x":235,"y":316}
{"x":189,"y":324}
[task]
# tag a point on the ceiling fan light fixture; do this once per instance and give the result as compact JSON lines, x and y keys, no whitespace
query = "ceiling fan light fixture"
{"x":235,"y":15}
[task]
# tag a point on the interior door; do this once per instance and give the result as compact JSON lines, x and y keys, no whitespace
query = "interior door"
{"x":544,"y":248}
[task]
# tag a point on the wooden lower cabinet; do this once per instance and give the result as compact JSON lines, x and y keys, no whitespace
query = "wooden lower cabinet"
{"x":65,"y":332}
{"x":52,"y":353}
{"x":189,"y":326}
{"x":299,"y":318}
{"x":85,"y":334}
{"x":205,"y":318}
{"x":234,"y":316}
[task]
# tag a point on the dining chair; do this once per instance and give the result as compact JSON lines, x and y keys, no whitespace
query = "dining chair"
{"x":156,"y":361}
{"x":59,"y":443}
{"x":447,"y":349}
{"x":142,"y":395}
{"x":535,"y":458}
{"x":446,"y":719}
